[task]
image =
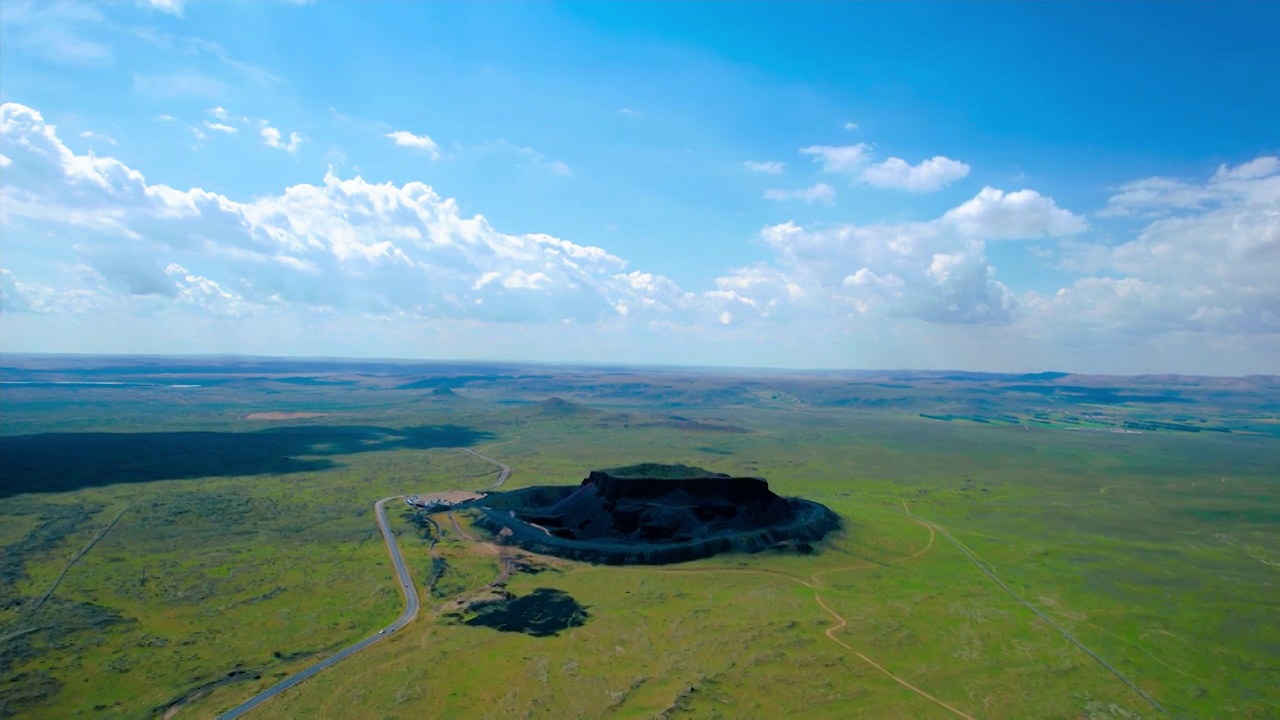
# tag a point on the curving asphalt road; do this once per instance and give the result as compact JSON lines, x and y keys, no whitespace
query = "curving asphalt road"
{"x":411,"y":605}
{"x":502,"y":476}
{"x":410,"y":612}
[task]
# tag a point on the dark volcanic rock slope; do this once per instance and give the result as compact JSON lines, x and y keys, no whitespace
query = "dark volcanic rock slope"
{"x":654,"y":514}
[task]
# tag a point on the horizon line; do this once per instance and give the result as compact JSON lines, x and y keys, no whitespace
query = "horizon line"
{"x":734,"y":369}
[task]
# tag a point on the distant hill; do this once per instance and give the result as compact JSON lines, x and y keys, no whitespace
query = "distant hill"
{"x":451,"y":381}
{"x":558,"y":407}
{"x":424,"y":384}
{"x":684,"y":423}
{"x":1043,"y":376}
{"x":554,"y":409}
{"x":304,"y":380}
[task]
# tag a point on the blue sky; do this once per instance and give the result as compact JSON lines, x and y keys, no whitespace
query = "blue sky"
{"x":1089,"y":187}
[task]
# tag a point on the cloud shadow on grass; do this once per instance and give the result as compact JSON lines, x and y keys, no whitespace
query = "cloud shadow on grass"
{"x":61,"y":462}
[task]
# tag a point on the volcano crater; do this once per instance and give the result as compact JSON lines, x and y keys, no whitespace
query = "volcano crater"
{"x":654,"y":514}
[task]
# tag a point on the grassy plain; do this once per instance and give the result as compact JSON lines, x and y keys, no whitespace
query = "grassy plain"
{"x":247,"y":547}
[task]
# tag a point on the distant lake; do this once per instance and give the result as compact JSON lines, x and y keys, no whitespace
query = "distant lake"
{"x":91,"y":383}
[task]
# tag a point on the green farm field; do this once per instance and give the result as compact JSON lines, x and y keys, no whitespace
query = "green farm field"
{"x":1013,"y":546}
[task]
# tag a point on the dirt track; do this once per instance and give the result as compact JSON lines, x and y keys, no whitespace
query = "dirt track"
{"x":986,"y":570}
{"x":840,"y":622}
{"x":101,"y":534}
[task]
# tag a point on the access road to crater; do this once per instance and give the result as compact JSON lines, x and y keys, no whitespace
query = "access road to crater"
{"x":411,"y":607}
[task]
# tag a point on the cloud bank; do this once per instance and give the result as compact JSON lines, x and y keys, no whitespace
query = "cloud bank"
{"x":88,"y":238}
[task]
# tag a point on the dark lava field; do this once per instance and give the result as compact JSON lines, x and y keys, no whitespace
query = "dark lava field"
{"x":654,"y":514}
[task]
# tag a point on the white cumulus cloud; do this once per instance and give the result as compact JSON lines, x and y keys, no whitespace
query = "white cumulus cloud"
{"x":404,"y":138}
{"x":929,"y":175}
{"x":1212,"y":266}
{"x":344,"y":243}
{"x":271,"y":138}
{"x":1255,"y":181}
{"x":90,"y":243}
{"x":770,"y":167}
{"x":855,"y":161}
{"x":839,"y":158}
{"x":1025,"y":214}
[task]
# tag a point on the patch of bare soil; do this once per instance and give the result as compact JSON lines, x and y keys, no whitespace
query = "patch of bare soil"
{"x":452,"y":497}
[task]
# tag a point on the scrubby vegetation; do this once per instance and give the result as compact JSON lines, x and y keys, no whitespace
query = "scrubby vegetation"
{"x":1156,"y":548}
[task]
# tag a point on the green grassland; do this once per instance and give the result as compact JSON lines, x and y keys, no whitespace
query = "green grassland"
{"x":247,"y":547}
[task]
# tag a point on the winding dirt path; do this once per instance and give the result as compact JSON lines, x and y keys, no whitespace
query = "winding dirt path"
{"x":862,"y":566}
{"x":508,"y":563}
{"x":814,"y":584}
{"x":458,"y":529}
{"x":840,"y":622}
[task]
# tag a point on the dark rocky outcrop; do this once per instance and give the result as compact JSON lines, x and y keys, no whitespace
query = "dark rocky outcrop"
{"x":544,"y":612}
{"x":654,"y":514}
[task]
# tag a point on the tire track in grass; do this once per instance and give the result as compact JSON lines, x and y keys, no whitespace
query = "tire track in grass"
{"x":57,"y":581}
{"x":840,"y":622}
{"x":458,"y":529}
{"x":1248,"y":551}
{"x":928,"y":546}
{"x":986,"y":570}
{"x":1184,"y":673}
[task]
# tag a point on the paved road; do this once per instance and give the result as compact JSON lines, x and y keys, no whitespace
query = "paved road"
{"x":502,"y":476}
{"x":410,"y":607}
{"x":406,"y":617}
